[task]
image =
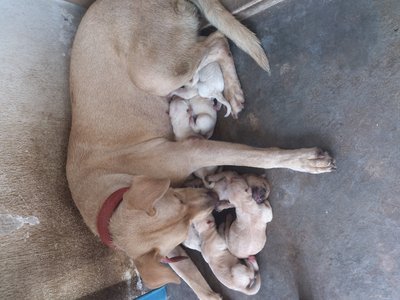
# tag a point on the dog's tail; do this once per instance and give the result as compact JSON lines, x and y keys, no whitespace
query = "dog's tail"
{"x":225,"y":22}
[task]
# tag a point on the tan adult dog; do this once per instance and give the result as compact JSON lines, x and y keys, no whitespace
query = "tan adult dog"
{"x":127,"y":56}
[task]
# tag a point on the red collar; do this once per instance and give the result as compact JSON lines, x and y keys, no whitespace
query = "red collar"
{"x":103,"y":220}
{"x":105,"y":214}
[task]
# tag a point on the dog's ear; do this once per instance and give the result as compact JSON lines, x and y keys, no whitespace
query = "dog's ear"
{"x":153,"y":273}
{"x":145,"y":192}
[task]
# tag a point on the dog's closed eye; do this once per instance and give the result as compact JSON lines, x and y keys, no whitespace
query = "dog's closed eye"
{"x":179,"y":197}
{"x":259,"y":194}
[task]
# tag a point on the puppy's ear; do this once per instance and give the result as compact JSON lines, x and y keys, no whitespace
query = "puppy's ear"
{"x":153,"y":273}
{"x":145,"y":192}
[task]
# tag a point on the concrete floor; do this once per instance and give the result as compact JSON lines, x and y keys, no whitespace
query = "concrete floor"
{"x":46,"y":250}
{"x":335,"y":83}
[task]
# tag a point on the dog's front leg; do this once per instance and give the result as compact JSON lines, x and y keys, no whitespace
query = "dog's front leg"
{"x":192,"y":276}
{"x":162,"y":158}
{"x":206,"y":153}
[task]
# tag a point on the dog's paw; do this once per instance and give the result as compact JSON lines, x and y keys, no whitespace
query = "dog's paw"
{"x":234,"y":94}
{"x":314,"y":161}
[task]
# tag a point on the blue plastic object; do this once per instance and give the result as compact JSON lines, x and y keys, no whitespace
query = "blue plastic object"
{"x":158,"y":294}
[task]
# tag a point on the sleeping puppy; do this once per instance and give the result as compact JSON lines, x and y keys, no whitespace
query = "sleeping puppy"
{"x":195,"y":117}
{"x":207,"y":83}
{"x":246,"y":235}
{"x":180,"y":115}
{"x":225,"y":266}
{"x":204,"y":116}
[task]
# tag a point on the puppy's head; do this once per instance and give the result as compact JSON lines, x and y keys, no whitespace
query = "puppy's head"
{"x":203,"y":124}
{"x":153,"y":219}
{"x":260,"y":187}
{"x":246,"y":277}
{"x":179,"y":113}
{"x":178,"y":108}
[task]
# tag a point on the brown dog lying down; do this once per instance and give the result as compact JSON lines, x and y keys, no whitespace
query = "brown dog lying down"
{"x":246,"y":235}
{"x":225,"y":266}
{"x":127,"y":57}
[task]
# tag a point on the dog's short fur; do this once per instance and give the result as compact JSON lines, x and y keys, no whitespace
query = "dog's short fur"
{"x":126,"y":58}
{"x":225,"y":266}
{"x":246,"y":235}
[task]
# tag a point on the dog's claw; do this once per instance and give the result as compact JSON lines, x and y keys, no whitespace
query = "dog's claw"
{"x":234,"y":94}
{"x":314,"y":161}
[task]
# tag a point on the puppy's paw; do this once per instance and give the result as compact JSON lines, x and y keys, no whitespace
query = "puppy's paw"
{"x":314,"y":161}
{"x":234,"y":94}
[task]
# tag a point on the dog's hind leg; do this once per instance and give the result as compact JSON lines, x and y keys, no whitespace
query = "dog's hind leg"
{"x":216,"y":49}
{"x":182,"y":64}
{"x":192,"y":276}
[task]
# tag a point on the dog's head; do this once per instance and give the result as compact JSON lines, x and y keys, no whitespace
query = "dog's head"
{"x":260,"y":187}
{"x":246,"y":277}
{"x":153,"y":219}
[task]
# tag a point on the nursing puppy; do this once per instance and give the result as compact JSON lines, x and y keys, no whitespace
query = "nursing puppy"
{"x":225,"y":266}
{"x":195,"y":117}
{"x":204,"y":116}
{"x":207,"y":83}
{"x":246,"y":235}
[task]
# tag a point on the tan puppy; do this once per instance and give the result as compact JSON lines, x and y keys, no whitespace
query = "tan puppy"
{"x":246,"y":235}
{"x":126,"y":58}
{"x":225,"y":266}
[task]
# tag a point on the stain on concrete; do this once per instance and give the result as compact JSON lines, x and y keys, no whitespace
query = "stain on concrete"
{"x":10,"y":223}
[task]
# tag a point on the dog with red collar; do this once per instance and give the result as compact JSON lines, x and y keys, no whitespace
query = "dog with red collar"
{"x":127,"y":57}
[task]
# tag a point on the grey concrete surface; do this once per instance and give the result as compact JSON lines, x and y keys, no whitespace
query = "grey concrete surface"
{"x":46,"y":251}
{"x":335,"y":83}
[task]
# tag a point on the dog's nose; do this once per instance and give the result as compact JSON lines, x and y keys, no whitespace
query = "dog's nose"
{"x":259,"y":194}
{"x":213,"y":195}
